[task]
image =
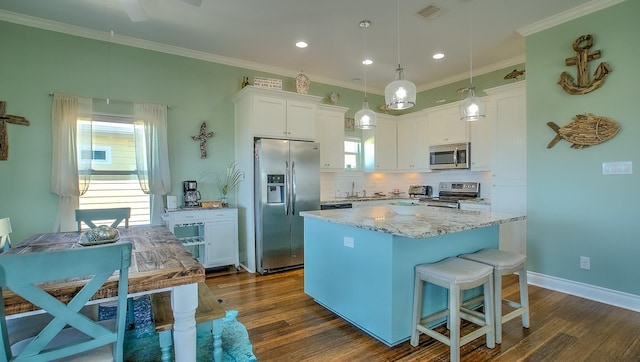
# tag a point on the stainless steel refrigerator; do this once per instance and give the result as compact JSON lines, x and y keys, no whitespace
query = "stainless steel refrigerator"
{"x":287,"y":181}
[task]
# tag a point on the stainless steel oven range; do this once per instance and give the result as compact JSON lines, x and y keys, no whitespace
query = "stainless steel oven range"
{"x":449,"y":193}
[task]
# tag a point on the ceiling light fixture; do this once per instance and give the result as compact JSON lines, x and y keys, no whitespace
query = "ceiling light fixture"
{"x":438,"y":56}
{"x":472,"y":108}
{"x":401,"y":93}
{"x":302,"y":44}
{"x":365,"y":118}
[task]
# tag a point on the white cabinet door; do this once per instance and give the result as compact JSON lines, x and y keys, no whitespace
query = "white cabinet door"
{"x":509,"y":161}
{"x":331,"y":137}
{"x":481,"y":137}
{"x":301,"y":120}
{"x":413,"y":147}
{"x":221,"y":235}
{"x":270,"y":116}
{"x":445,"y":126}
{"x":380,"y":146}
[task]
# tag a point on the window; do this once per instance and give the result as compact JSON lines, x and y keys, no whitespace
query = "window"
{"x":114,"y":180}
{"x":352,"y":153}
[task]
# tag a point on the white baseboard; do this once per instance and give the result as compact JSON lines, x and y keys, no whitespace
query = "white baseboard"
{"x":598,"y":294}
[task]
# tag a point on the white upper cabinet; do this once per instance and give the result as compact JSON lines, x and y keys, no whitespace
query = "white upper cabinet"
{"x":380,"y":145}
{"x":445,"y":126}
{"x":331,"y":137}
{"x":277,"y":114}
{"x":413,"y":147}
{"x":481,"y":138}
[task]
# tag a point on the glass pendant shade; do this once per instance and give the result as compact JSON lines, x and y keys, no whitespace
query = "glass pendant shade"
{"x":472,"y":108}
{"x":401,"y":93}
{"x":365,"y":118}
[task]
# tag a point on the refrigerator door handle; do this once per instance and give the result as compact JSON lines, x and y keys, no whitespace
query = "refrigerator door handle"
{"x":287,"y":192}
{"x":293,"y":187}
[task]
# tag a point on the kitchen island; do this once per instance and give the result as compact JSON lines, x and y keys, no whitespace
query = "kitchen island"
{"x":359,"y":263}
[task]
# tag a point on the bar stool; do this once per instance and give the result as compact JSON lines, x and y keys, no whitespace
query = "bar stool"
{"x":503,"y":263}
{"x":456,"y":275}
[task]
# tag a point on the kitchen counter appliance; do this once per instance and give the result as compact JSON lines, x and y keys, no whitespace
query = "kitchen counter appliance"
{"x":416,"y":191}
{"x":449,"y":193}
{"x":287,"y":181}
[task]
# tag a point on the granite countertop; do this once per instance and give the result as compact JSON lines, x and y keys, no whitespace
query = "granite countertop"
{"x":427,"y":222}
{"x":336,"y":200}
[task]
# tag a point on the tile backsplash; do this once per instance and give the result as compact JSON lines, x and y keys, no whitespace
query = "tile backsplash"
{"x":338,"y":184}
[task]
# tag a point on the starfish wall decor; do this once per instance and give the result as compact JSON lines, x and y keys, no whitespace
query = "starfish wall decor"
{"x":202,"y":137}
{"x":4,"y":136}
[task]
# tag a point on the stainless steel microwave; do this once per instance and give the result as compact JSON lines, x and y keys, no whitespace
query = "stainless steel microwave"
{"x":455,"y":156}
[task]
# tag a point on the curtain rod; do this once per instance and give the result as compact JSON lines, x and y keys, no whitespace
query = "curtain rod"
{"x":108,"y":99}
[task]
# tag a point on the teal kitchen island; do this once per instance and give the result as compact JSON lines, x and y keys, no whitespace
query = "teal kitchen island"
{"x":359,"y":263}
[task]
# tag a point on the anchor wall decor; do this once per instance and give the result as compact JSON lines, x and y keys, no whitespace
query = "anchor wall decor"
{"x":4,"y":136}
{"x":581,"y":61}
{"x":202,"y":137}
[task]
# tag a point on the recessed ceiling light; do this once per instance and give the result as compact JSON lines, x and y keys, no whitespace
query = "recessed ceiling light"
{"x":302,"y":44}
{"x":438,"y":56}
{"x":367,"y":62}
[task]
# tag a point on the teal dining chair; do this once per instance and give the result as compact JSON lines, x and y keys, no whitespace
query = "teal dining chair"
{"x":88,"y":216}
{"x":118,"y":214}
{"x":5,"y":230}
{"x":70,"y":334}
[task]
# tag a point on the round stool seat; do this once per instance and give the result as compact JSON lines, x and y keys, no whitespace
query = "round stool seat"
{"x":499,"y":259}
{"x":453,"y":271}
{"x":505,"y":263}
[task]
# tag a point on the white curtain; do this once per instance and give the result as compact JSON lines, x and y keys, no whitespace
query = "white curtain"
{"x":70,"y":174}
{"x":152,"y":154}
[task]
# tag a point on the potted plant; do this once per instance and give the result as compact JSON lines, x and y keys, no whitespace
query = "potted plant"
{"x":230,"y":181}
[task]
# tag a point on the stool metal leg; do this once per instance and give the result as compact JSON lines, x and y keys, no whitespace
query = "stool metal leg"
{"x":524,"y":295}
{"x":454,"y":322}
{"x":489,"y":317}
{"x":497,"y":287}
{"x":417,"y":309}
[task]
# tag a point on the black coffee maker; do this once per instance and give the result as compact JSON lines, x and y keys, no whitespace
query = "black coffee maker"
{"x":191,"y":194}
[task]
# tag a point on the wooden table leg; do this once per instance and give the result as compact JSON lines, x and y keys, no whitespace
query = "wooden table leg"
{"x":184,"y":301}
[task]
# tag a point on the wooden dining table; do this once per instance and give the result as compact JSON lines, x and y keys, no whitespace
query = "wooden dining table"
{"x":159,"y":262}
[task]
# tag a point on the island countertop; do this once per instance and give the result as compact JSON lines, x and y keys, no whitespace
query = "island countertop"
{"x":427,"y":221}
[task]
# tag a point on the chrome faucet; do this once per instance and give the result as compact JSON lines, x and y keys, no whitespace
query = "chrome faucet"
{"x":353,"y":187}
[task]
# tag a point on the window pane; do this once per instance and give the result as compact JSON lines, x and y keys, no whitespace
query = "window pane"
{"x":114,"y":182}
{"x":351,"y":147}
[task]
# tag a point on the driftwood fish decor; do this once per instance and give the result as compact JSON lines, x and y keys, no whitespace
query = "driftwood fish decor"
{"x":581,"y":61}
{"x":585,"y":130}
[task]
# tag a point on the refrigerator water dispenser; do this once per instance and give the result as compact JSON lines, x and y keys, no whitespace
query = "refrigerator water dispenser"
{"x":275,"y":189}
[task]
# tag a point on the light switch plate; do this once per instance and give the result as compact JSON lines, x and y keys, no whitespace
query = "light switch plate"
{"x":617,"y":168}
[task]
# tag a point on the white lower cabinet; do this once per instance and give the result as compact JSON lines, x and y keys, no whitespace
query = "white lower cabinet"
{"x":210,"y":234}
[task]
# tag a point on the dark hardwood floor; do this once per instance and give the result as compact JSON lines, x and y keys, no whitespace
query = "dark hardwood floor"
{"x":284,"y":324}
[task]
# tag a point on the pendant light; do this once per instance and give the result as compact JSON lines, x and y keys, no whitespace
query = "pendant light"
{"x":472,"y":108}
{"x":401,"y":93}
{"x":365,"y":118}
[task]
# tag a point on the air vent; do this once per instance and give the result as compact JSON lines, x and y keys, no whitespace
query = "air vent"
{"x":431,"y":12}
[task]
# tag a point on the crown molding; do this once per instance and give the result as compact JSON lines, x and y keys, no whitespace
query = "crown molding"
{"x":565,"y":16}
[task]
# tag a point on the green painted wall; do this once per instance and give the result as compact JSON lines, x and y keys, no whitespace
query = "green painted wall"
{"x":35,"y":62}
{"x":573,"y":210}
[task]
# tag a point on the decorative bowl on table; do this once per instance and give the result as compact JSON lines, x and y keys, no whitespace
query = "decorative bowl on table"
{"x":101,"y":235}
{"x":403,"y":207}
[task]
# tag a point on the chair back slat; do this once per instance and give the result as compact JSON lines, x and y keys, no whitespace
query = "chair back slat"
{"x":5,"y":230}
{"x":96,"y":264}
{"x":88,"y":216}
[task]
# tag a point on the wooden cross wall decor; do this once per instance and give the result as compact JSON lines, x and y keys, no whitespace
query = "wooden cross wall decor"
{"x":202,"y":137}
{"x":4,"y":136}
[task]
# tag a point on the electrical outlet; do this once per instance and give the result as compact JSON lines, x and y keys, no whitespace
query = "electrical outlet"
{"x":585,"y":262}
{"x":348,"y":242}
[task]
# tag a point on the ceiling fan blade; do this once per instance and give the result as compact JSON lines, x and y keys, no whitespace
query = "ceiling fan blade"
{"x":193,"y":2}
{"x":134,"y":10}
